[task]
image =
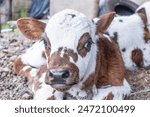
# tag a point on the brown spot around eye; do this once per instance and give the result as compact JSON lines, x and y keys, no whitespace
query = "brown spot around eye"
{"x":83,"y":40}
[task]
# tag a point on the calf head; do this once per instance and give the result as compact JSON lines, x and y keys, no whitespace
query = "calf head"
{"x":70,"y":45}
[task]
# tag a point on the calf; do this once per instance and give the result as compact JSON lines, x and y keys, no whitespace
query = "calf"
{"x":132,"y":35}
{"x":72,"y":58}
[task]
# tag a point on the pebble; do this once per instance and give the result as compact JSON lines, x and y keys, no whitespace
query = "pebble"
{"x":12,"y":87}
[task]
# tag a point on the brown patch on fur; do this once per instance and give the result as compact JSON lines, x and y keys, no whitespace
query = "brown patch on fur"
{"x":56,"y":62}
{"x":27,"y":75}
{"x":72,"y":54}
{"x":143,"y":16}
{"x":110,"y":96}
{"x":18,"y":65}
{"x":42,"y":70}
{"x":110,"y":66}
{"x":37,"y":85}
{"x":137,"y":57}
{"x":104,"y":22}
{"x":74,"y":69}
{"x":52,"y":98}
{"x":83,"y":40}
{"x":147,"y":35}
{"x":89,"y":82}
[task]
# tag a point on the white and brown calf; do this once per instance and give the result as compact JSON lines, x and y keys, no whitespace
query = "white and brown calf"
{"x":132,"y":34}
{"x":72,"y":58}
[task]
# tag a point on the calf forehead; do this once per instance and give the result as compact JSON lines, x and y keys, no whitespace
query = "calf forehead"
{"x":65,"y":29}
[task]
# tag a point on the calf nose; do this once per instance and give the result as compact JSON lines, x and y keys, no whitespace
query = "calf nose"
{"x":59,"y":74}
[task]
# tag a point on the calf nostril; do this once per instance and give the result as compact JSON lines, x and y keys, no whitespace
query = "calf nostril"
{"x":65,"y":74}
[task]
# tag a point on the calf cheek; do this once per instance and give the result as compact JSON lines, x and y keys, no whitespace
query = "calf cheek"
{"x":74,"y":73}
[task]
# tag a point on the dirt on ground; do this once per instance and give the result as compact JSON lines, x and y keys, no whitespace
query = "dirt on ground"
{"x":13,"y":87}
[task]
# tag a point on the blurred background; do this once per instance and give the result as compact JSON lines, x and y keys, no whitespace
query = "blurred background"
{"x":13,"y":44}
{"x":11,"y":10}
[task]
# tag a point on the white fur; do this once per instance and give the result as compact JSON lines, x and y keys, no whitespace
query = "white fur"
{"x":130,"y":31}
{"x":130,"y":35}
{"x":127,"y":59}
{"x":77,"y":92}
{"x":33,"y":56}
{"x":119,"y":92}
{"x":33,"y":72}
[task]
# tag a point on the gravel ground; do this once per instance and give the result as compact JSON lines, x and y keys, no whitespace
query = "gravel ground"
{"x":13,"y":87}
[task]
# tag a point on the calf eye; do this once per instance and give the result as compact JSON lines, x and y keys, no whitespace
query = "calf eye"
{"x":87,"y":45}
{"x":84,"y":45}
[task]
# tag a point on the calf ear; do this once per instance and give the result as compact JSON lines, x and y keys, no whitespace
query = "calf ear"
{"x":31,"y":28}
{"x":142,"y":14}
{"x":104,"y":22}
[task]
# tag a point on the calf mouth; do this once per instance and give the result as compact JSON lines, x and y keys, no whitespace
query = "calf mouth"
{"x":60,"y":83}
{"x":61,"y":87}
{"x":56,"y":81}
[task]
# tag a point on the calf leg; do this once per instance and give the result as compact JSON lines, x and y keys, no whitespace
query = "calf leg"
{"x":43,"y":91}
{"x":36,"y":80}
{"x":25,"y":70}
